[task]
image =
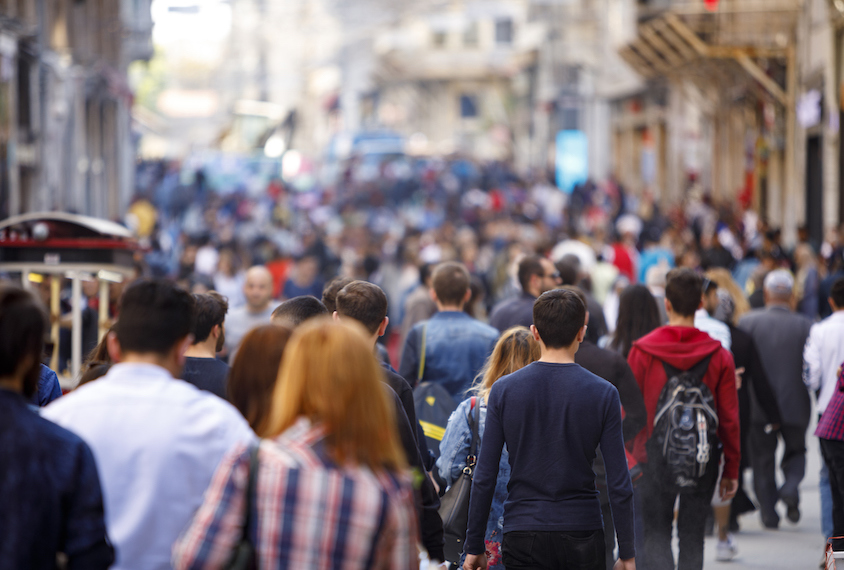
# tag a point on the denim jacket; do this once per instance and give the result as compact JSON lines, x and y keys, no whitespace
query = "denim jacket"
{"x":456,"y":347}
{"x":453,"y":451}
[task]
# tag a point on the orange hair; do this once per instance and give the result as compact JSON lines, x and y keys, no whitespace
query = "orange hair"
{"x":329,"y":375}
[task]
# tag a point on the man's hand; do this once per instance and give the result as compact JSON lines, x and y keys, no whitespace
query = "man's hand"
{"x":476,"y":562}
{"x":739,"y":372}
{"x":627,"y":564}
{"x":727,"y":489}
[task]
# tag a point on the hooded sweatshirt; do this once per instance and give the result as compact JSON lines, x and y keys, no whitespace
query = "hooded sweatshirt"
{"x":683,"y":347}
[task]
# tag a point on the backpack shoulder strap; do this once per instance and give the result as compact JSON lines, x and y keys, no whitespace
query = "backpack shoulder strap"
{"x":421,"y":370}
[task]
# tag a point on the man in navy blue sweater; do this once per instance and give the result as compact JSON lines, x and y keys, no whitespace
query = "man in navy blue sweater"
{"x":552,"y":415}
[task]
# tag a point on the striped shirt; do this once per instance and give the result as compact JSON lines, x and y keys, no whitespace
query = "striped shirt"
{"x":831,"y":424}
{"x":310,"y":513}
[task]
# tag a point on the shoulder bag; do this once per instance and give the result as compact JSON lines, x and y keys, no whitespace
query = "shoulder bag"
{"x":243,"y":557}
{"x":454,"y":505}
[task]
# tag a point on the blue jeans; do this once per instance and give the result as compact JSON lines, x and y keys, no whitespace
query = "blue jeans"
{"x":826,"y":500}
{"x":572,"y":550}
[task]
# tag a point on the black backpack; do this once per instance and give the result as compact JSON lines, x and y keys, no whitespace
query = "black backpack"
{"x":433,"y":406}
{"x":684,"y":450}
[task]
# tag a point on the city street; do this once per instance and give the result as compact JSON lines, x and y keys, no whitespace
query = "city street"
{"x":792,"y":547}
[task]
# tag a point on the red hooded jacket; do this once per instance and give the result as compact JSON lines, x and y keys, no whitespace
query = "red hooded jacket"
{"x":683,"y":347}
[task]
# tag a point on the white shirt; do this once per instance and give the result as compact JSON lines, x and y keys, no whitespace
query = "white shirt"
{"x":157,"y":442}
{"x":714,"y":328}
{"x":240,"y":321}
{"x":823,"y":356}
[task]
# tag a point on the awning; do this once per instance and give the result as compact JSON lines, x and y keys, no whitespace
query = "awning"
{"x":669,"y":42}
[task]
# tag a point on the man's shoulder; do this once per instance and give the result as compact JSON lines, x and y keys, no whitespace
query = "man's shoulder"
{"x":205,"y":365}
{"x":395,"y":380}
{"x":52,"y":434}
{"x":482,"y":329}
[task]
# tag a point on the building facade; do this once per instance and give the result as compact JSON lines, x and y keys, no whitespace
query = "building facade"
{"x":741,"y":101}
{"x":65,"y":131}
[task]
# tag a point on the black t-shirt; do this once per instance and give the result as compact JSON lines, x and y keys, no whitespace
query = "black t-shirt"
{"x":207,"y":374}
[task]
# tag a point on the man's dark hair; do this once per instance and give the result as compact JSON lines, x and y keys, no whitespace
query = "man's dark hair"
{"x":299,"y":309}
{"x":529,"y":266}
{"x":154,"y":315}
{"x":568,"y":270}
{"x":450,"y":282}
{"x":683,"y":289}
{"x":837,"y":293}
{"x":23,"y":323}
{"x":558,"y":315}
{"x":329,"y":293}
{"x":209,"y":311}
{"x":364,"y":302}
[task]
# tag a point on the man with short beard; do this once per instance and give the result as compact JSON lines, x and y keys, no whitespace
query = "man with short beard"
{"x":202,"y":369}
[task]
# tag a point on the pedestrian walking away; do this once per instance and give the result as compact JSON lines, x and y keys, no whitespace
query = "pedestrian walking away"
{"x":553,"y":413}
{"x":688,"y":383}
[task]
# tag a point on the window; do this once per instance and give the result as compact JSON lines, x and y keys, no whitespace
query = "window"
{"x":468,"y":106}
{"x":470,"y":35}
{"x":504,"y":31}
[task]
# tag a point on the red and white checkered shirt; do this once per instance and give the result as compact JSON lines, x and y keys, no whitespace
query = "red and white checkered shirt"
{"x":831,"y":424}
{"x":309,"y":512}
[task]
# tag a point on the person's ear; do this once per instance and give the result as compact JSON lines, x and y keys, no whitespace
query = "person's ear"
{"x":467,"y":296}
{"x":382,"y":328}
{"x":668,"y":307}
{"x":336,"y":316}
{"x":216,"y":331}
{"x":181,"y":347}
{"x":832,"y":304}
{"x":113,"y":347}
{"x":535,"y":333}
{"x":433,"y":295}
{"x":586,"y":322}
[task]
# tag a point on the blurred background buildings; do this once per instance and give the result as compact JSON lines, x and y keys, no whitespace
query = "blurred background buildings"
{"x":65,"y":102}
{"x":737,"y":98}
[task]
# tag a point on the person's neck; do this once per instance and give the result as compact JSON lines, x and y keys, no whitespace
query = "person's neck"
{"x":563,"y":355}
{"x":675,"y":320}
{"x":257,"y":310}
{"x":152,"y":359}
{"x":449,"y":308}
{"x":532,"y":292}
{"x":207,"y":349}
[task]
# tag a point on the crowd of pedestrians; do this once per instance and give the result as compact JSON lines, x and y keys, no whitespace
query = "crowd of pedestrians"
{"x":312,"y":396}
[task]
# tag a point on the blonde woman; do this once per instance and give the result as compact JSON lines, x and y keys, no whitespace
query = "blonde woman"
{"x":732,"y":301}
{"x":515,"y":349}
{"x":332,"y":489}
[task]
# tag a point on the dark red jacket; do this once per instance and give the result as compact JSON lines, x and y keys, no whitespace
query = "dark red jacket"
{"x":683,"y":347}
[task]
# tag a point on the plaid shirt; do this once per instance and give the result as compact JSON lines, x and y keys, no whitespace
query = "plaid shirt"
{"x":831,"y":424}
{"x":310,"y":514}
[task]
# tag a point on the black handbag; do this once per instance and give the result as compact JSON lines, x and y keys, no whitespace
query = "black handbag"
{"x":243,"y":557}
{"x":454,"y":505}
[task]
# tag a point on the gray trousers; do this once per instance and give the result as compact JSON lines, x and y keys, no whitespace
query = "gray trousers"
{"x":763,"y":449}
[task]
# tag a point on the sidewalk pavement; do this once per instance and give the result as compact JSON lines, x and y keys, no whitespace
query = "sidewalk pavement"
{"x":791,"y":547}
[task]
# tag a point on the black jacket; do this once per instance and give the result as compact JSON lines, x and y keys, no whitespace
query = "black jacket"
{"x":612,"y":367}
{"x":428,"y":502}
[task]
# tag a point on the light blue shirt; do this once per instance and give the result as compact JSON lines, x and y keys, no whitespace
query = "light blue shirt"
{"x":157,"y":442}
{"x":714,"y":328}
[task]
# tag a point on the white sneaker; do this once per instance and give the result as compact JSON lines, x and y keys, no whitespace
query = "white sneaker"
{"x":727,"y":549}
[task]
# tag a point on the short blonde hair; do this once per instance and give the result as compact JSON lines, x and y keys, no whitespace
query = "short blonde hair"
{"x":329,"y":375}
{"x":515,"y":349}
